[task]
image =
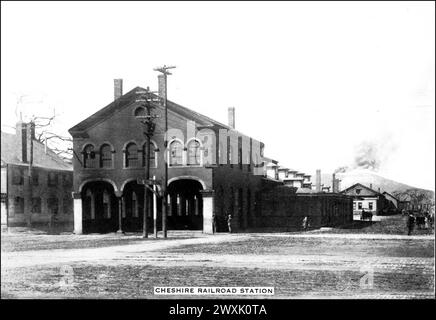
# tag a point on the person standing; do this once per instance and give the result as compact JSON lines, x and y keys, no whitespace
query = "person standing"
{"x":410,"y":223}
{"x":229,"y":222}
{"x":213,"y":223}
{"x":305,"y":223}
{"x":427,"y":221}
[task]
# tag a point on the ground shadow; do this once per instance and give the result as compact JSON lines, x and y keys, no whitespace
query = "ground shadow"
{"x":359,"y":224}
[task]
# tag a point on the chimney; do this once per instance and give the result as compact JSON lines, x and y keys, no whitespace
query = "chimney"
{"x":21,"y":134}
{"x":334,"y":183}
{"x":32,"y":130}
{"x":370,"y":185}
{"x":118,"y":88}
{"x":232,"y":117}
{"x":161,"y":85}
{"x":318,"y":180}
{"x":378,"y":190}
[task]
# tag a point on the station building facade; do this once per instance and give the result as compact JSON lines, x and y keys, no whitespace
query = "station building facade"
{"x":212,"y":168}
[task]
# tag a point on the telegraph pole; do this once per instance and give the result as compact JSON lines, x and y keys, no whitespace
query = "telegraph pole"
{"x":30,"y":127}
{"x":165,"y":72}
{"x":147,"y":121}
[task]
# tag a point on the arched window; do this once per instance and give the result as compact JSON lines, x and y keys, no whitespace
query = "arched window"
{"x":194,"y":153}
{"x":105,"y":156}
{"x":89,"y":156}
{"x":140,"y":112}
{"x":152,"y":155}
{"x":176,"y":154}
{"x":132,"y":155}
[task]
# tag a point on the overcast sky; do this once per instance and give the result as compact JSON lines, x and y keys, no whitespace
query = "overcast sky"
{"x":313,"y":81}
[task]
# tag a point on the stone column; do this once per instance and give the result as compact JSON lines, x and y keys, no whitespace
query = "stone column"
{"x":119,"y":196}
{"x":4,"y":213}
{"x":78,"y":212}
{"x":208,"y":210}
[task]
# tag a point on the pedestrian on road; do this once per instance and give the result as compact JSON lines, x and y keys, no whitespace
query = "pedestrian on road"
{"x":229,"y":222}
{"x":410,"y":223}
{"x":305,"y":223}
{"x":213,"y":223}
{"x":431,"y":220}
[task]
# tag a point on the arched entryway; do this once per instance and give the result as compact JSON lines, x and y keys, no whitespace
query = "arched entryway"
{"x":133,"y":208}
{"x":100,"y":207}
{"x":185,"y":205}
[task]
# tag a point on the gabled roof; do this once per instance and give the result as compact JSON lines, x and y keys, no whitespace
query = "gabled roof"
{"x":11,"y":148}
{"x":271,"y":165}
{"x":129,"y":98}
{"x":362,"y":186}
{"x":391,"y":195}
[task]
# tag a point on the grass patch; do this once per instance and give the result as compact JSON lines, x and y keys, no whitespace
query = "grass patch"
{"x":395,"y":224}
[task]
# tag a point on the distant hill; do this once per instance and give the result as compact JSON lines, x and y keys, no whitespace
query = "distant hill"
{"x":368,"y":177}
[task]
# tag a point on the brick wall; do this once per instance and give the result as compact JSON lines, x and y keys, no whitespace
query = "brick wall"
{"x":282,"y":209}
{"x":20,"y":205}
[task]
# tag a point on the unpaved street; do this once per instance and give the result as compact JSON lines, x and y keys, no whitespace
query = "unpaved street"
{"x":297,"y":265}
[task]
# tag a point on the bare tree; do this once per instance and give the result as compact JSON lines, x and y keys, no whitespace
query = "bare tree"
{"x":415,"y":196}
{"x":59,"y":144}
